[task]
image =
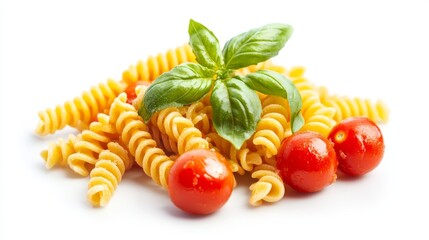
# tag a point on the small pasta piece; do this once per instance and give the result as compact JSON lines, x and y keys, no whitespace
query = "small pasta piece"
{"x":317,"y":116}
{"x":353,"y":107}
{"x":154,"y":66}
{"x":79,"y":112}
{"x":171,"y":122}
{"x":273,"y":127}
{"x":241,"y":160}
{"x":200,"y":115}
{"x":268,"y":188}
{"x":163,"y":140}
{"x":107,"y":174}
{"x":134,"y":133}
{"x":58,"y":152}
{"x":90,"y":144}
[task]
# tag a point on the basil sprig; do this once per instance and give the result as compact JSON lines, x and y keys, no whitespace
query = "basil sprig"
{"x":236,"y":106}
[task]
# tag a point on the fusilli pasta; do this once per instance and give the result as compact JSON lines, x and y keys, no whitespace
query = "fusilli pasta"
{"x":107,"y":173}
{"x":90,"y":143}
{"x":58,"y":152}
{"x":269,"y":187}
{"x":135,"y":135}
{"x":82,"y":110}
{"x":352,"y":107}
{"x":317,"y":116}
{"x":273,"y":127}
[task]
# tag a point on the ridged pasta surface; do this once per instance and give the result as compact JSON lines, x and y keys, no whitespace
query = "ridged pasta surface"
{"x":353,"y":107}
{"x":268,"y":188}
{"x":107,"y":174}
{"x":90,"y":144}
{"x":134,"y":133}
{"x":58,"y":152}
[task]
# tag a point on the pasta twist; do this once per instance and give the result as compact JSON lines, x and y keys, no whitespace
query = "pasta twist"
{"x":200,"y":115}
{"x":81,"y":110}
{"x":171,"y":122}
{"x":154,"y":66}
{"x":163,"y":140}
{"x":58,"y":152}
{"x":268,"y":188}
{"x":351,"y":107}
{"x":135,"y":135}
{"x":107,"y":174}
{"x":90,"y":143}
{"x":273,"y":127}
{"x":317,"y":116}
{"x":241,"y":160}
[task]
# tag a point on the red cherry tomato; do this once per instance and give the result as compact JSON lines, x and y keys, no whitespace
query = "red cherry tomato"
{"x":200,"y":181}
{"x":359,"y":145}
{"x":307,"y":162}
{"x":131,"y":90}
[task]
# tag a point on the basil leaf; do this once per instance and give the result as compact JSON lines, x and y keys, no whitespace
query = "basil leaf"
{"x":273,"y":83}
{"x":236,"y":111}
{"x":205,"y":45}
{"x":256,"y":45}
{"x":183,"y":85}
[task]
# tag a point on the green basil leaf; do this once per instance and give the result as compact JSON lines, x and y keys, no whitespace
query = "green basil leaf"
{"x":183,"y":85}
{"x":205,"y":45}
{"x":273,"y":83}
{"x":256,"y":45}
{"x":236,"y":111}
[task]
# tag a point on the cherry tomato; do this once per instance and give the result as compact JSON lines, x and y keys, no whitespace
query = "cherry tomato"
{"x":200,"y":181}
{"x":131,"y":90}
{"x":307,"y":162}
{"x":359,"y":145}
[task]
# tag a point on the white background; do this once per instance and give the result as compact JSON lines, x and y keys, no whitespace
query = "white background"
{"x":51,"y":51}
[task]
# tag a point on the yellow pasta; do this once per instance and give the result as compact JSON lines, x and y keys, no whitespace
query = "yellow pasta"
{"x":90,"y":143}
{"x":200,"y":115}
{"x":79,"y":112}
{"x":317,"y":116}
{"x":171,"y":122}
{"x":134,"y":133}
{"x":58,"y":152}
{"x":268,"y":188}
{"x":273,"y":127}
{"x":107,"y":174}
{"x":154,"y":66}
{"x":241,"y":160}
{"x":351,"y":107}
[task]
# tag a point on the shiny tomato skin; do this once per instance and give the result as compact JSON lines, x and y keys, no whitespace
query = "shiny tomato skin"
{"x":131,"y":90}
{"x":200,"y":181}
{"x":359,"y":145}
{"x":306,"y":161}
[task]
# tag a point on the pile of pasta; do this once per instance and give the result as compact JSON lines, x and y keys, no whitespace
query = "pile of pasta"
{"x":112,"y":136}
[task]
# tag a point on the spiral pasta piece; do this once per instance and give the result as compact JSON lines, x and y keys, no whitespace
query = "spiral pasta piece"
{"x":273,"y":127}
{"x":90,"y":143}
{"x":241,"y":160}
{"x":134,"y":133}
{"x":353,"y":107}
{"x":268,"y":188}
{"x":79,"y":112}
{"x":317,"y":116}
{"x":154,"y":66}
{"x":171,"y":122}
{"x":107,"y":174}
{"x":200,"y":115}
{"x":58,"y":152}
